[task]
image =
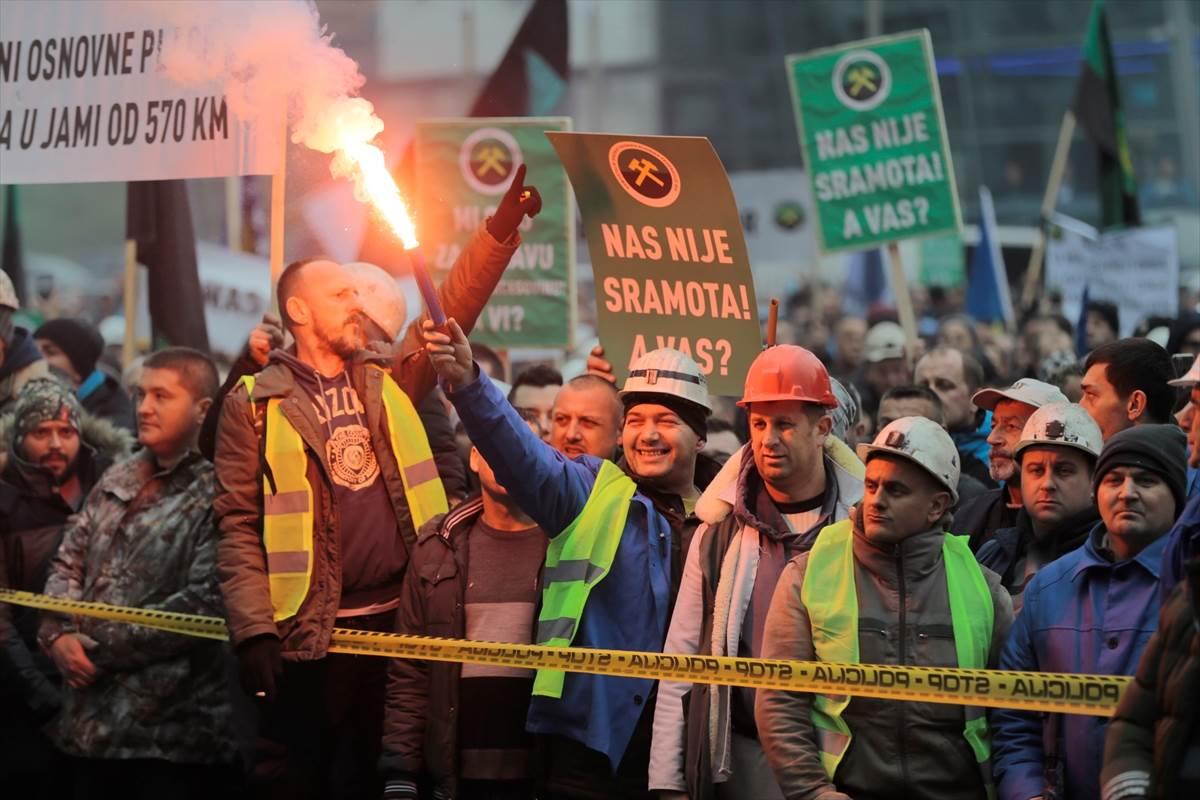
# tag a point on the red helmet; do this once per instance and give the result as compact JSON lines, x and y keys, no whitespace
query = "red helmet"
{"x":788,"y":372}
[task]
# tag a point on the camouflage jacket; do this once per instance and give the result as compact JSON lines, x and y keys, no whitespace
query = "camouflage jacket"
{"x":145,"y":538}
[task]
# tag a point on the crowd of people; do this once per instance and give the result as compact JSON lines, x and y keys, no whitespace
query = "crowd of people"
{"x":975,"y":499}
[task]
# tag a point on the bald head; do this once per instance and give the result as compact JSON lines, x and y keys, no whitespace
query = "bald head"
{"x":586,"y":418}
{"x":319,"y":305}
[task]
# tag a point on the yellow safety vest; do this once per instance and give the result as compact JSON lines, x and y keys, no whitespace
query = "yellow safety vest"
{"x":288,"y":497}
{"x":830,"y":597}
{"x":576,"y":560}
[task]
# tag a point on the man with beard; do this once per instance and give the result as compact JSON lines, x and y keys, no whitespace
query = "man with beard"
{"x":1011,"y":408}
{"x":1056,"y":456}
{"x":55,"y":454}
{"x":324,"y":474}
{"x":1091,"y":612}
{"x":614,"y":557}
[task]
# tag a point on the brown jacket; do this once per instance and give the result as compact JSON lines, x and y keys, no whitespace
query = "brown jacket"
{"x":900,"y":749}
{"x":241,"y":559}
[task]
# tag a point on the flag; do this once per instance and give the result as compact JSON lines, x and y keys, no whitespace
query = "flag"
{"x":866,"y":287}
{"x":1081,"y":348}
{"x":159,"y":218}
{"x":12,"y":258}
{"x":529,"y":82}
{"x":988,"y":299}
{"x":1098,"y":110}
{"x":532,"y":76}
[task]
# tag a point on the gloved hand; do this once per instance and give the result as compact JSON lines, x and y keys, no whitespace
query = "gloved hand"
{"x":520,"y":200}
{"x":260,"y":665}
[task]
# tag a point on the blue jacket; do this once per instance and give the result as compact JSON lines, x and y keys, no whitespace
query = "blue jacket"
{"x":1182,"y":542}
{"x":1082,"y":614}
{"x":627,"y":610}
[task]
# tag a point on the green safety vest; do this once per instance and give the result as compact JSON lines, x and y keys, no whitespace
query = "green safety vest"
{"x":576,"y":560}
{"x":830,"y":597}
{"x":288,"y":500}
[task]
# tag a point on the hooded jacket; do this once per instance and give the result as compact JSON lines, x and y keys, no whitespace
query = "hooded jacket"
{"x":1006,"y":553}
{"x":32,"y":516}
{"x":241,"y":558}
{"x":101,"y":395}
{"x":22,"y":363}
{"x":695,"y":721}
{"x":900,"y":749}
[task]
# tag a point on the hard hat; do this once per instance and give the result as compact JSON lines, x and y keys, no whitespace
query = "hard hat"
{"x":848,"y":411}
{"x":923,"y":442}
{"x":1190,"y":378}
{"x":1027,"y":390}
{"x":8,"y":294}
{"x":885,"y":340}
{"x":788,"y":372}
{"x":668,"y":371}
{"x":382,"y":299}
{"x":1062,"y":425}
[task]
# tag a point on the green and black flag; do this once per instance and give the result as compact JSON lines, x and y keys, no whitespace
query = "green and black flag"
{"x":1098,"y":109}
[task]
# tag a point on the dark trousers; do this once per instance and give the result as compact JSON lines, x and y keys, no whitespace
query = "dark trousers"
{"x":567,"y":770}
{"x":153,"y":779}
{"x":319,"y":739}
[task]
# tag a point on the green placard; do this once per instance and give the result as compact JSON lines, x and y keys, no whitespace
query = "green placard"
{"x":874,"y":139}
{"x":943,"y":262}
{"x":667,"y":249}
{"x":463,"y":168}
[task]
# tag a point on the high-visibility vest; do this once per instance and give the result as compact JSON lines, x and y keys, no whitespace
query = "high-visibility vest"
{"x":288,"y":497}
{"x":829,"y":595}
{"x":576,"y":560}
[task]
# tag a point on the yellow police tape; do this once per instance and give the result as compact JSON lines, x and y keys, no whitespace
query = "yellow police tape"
{"x":1066,"y":693}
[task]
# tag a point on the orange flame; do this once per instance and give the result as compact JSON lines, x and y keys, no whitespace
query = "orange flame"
{"x":376,"y":183}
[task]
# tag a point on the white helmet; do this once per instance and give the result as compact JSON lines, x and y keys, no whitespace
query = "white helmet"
{"x":1062,"y":425}
{"x":1189,"y":378}
{"x":926,"y":444}
{"x":8,"y":294}
{"x":670,"y":372}
{"x":382,"y":299}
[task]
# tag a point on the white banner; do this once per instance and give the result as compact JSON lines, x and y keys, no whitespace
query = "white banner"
{"x":84,"y":97}
{"x":1137,"y":269}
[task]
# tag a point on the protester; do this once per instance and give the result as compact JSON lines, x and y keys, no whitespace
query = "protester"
{"x":1102,"y":324}
{"x":849,"y":345}
{"x":475,"y":574}
{"x":73,"y":348}
{"x":626,"y":522}
{"x":955,"y":376}
{"x":721,"y":441}
{"x":20,"y":359}
{"x":885,"y":366}
{"x":784,"y":492}
{"x":143,"y":709}
{"x":1153,"y":740}
{"x":1125,"y":384}
{"x":585,"y":418}
{"x":1091,"y":612}
{"x":1011,"y":409}
{"x":1055,"y":457}
{"x":1184,"y":537}
{"x":54,"y":453}
{"x":924,"y":585}
{"x":919,"y":401}
{"x":533,"y":393}
{"x":327,"y":424}
{"x":848,"y":421}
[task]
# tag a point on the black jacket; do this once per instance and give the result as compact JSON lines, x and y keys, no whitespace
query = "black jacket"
{"x":1005,"y":553}
{"x":109,"y":401}
{"x":981,"y":516}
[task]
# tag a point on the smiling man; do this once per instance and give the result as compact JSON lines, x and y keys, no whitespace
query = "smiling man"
{"x":614,"y":556}
{"x":865,"y":594}
{"x":784,"y":490}
{"x":1092,"y":612}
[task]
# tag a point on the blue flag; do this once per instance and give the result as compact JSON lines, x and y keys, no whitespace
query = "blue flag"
{"x":988,"y":299}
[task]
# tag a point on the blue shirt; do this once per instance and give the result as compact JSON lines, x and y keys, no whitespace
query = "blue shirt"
{"x":627,"y":610}
{"x":1085,"y":614}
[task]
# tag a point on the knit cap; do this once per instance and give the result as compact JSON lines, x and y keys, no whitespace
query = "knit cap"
{"x":1161,"y":449}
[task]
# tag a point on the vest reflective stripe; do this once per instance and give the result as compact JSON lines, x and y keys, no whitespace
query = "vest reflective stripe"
{"x":576,"y":560}
{"x":288,"y":502}
{"x":830,"y":596}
